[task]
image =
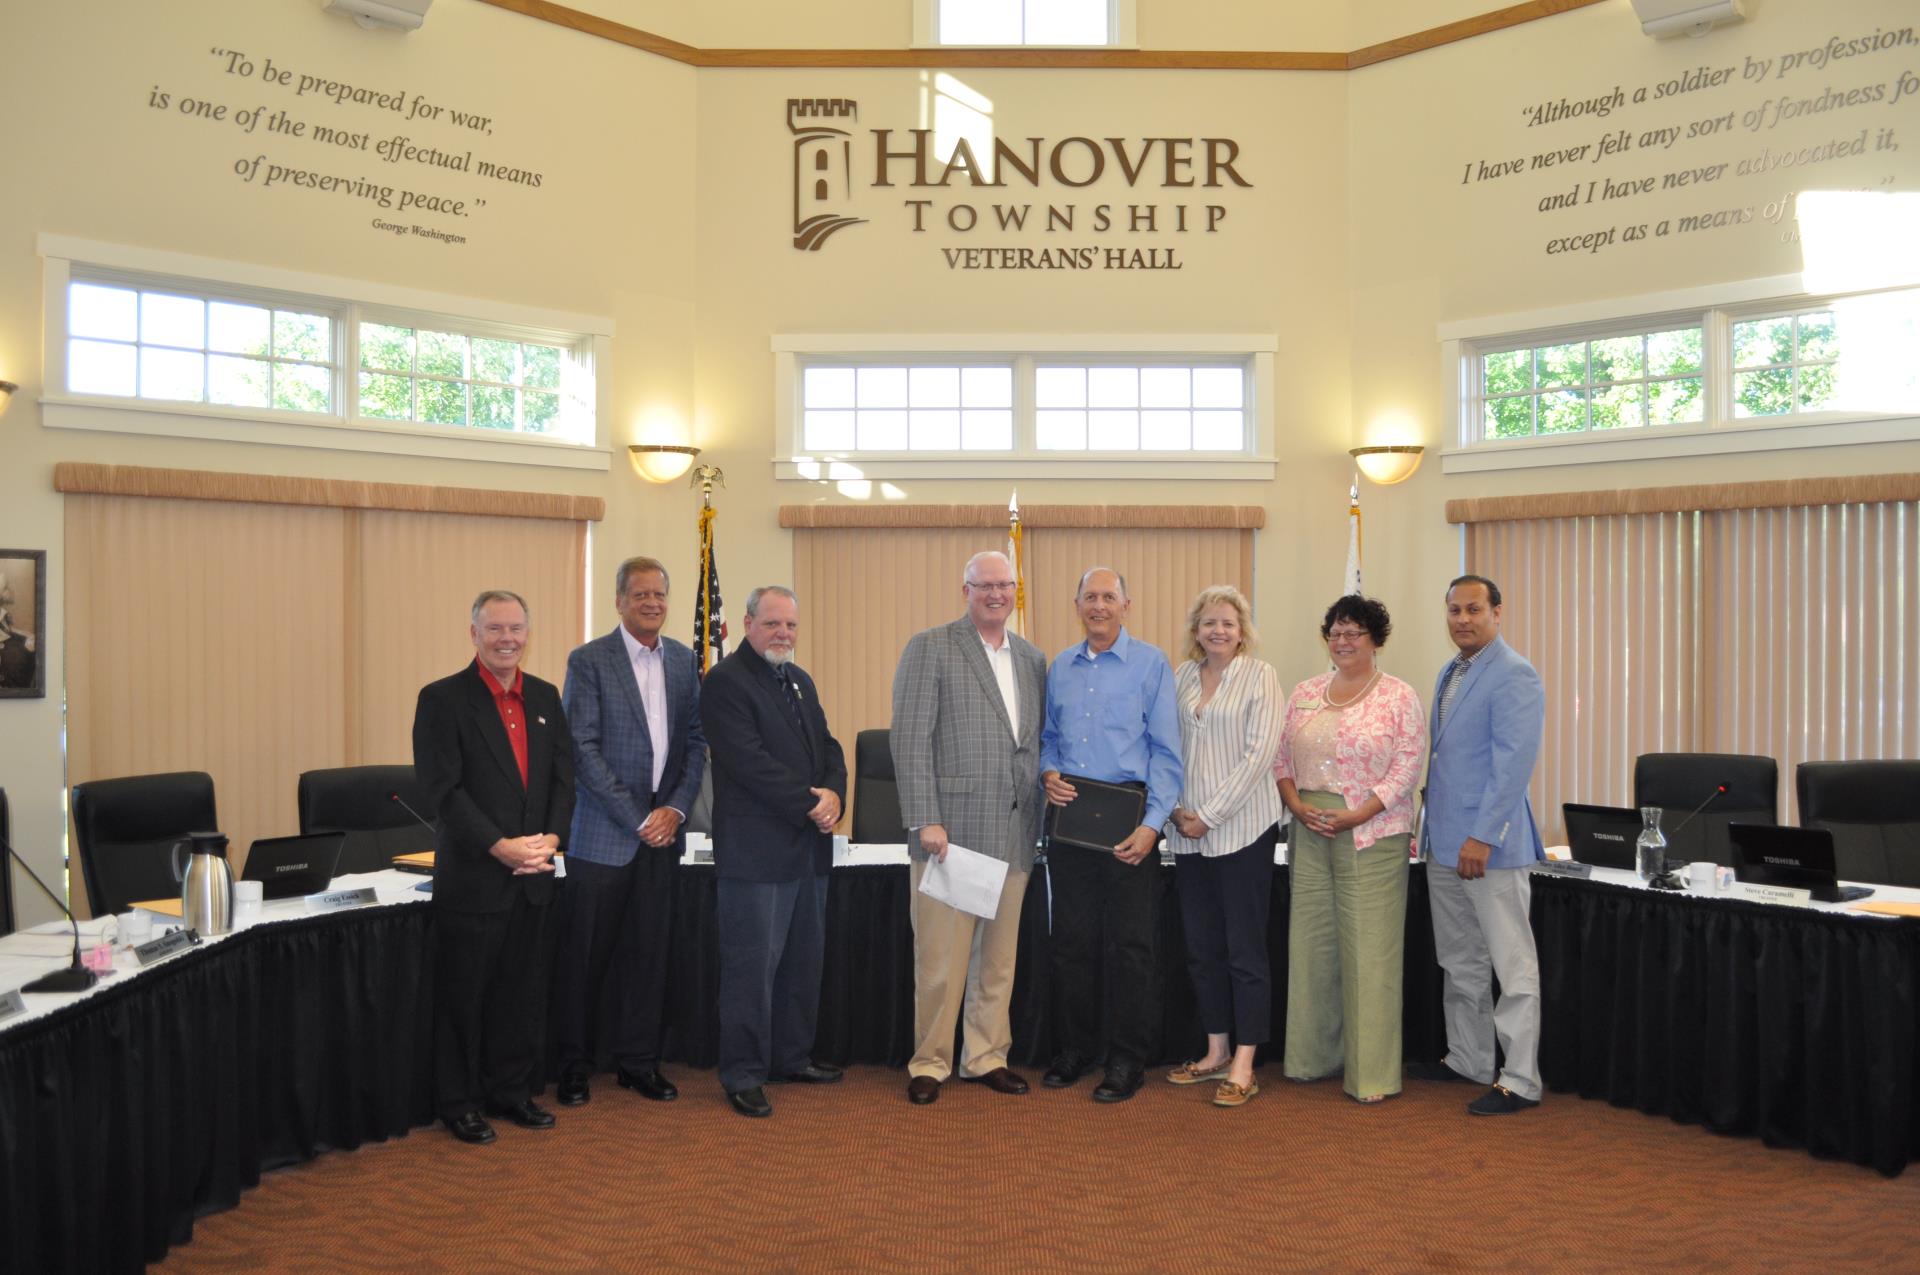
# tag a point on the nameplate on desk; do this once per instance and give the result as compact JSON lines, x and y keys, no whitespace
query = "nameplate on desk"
{"x":12,"y":1004}
{"x":341,"y":900}
{"x":1770,"y":893}
{"x":166,"y":945}
{"x":1563,"y":868}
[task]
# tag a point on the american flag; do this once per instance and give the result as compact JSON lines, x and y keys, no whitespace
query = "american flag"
{"x":709,"y":615}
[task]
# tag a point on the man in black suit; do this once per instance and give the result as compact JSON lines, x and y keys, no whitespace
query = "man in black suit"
{"x":778,"y":783}
{"x":494,"y":757}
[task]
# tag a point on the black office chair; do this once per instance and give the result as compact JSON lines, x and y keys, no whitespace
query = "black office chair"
{"x":876,"y":794}
{"x":357,"y":800}
{"x":1678,"y":782}
{"x":700,"y":818}
{"x":126,"y":830}
{"x":6,"y":869}
{"x":1872,"y":808}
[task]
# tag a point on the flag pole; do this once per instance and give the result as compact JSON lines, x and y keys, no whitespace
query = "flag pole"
{"x":1015,"y":547}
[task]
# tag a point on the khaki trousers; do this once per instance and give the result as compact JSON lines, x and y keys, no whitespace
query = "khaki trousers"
{"x":1345,"y":945}
{"x":959,"y":957}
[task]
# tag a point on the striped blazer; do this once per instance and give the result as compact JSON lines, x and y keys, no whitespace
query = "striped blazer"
{"x":1228,"y":754}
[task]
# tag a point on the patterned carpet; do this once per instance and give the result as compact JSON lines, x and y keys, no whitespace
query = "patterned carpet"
{"x":852,"y":1178}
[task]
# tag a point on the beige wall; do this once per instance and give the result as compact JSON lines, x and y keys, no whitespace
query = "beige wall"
{"x":1427,"y":250}
{"x":607,"y":233}
{"x":665,"y":208}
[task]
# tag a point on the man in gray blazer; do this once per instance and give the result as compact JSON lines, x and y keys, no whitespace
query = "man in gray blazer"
{"x":1489,"y":711}
{"x":633,"y":701}
{"x":967,"y":704}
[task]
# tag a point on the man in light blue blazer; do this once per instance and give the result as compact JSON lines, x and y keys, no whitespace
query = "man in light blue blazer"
{"x":633,"y":700}
{"x":1489,"y":711}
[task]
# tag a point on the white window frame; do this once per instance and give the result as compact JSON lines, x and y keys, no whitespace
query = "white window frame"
{"x":1715,"y":309}
{"x":347,"y":302}
{"x":791,"y":459}
{"x":1122,"y":28}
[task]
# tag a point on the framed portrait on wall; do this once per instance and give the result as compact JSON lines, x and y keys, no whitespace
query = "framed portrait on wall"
{"x":23,"y":623}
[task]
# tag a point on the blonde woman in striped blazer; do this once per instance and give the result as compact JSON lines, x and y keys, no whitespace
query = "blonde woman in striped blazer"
{"x":1223,"y":834}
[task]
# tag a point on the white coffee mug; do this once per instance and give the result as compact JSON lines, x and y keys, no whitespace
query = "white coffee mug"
{"x":1700,"y":876}
{"x":247,"y":901}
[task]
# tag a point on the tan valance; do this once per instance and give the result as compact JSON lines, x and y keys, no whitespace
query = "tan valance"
{"x":1154,"y":517}
{"x":1785,"y":493}
{"x":77,"y":479}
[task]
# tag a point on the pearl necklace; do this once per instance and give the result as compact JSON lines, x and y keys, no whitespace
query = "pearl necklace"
{"x":1357,"y":696}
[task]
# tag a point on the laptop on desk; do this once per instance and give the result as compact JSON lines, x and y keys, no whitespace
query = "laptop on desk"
{"x":1791,"y":858}
{"x":288,"y":867}
{"x":1604,"y":836}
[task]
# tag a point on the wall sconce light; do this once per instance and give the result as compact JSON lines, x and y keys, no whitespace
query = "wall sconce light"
{"x":6,"y":395}
{"x":1388,"y":465}
{"x":661,"y":462}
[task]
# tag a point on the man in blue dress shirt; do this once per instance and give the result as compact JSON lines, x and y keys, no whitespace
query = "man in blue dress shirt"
{"x":1111,"y":716}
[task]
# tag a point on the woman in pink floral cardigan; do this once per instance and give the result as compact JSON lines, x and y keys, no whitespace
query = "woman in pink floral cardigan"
{"x":1349,"y":762}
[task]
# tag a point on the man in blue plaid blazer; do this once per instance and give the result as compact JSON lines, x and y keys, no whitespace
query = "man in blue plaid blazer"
{"x":633,"y":700}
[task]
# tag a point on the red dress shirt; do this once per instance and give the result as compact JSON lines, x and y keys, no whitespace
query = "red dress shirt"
{"x":512,"y":707}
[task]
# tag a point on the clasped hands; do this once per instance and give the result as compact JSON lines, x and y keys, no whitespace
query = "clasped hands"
{"x":1131,"y":851}
{"x":826,"y":812}
{"x":527,"y":856}
{"x":662,"y":825}
{"x":1329,"y":823}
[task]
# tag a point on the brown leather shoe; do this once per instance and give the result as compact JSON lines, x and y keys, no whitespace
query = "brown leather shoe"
{"x":922,"y":1090}
{"x":1000,"y":1080}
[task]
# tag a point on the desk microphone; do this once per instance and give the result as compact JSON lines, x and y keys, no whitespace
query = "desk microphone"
{"x":399,"y":801}
{"x":1702,"y":806}
{"x":75,"y":978}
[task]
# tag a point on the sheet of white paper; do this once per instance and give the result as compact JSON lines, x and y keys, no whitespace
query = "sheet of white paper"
{"x":966,"y":880}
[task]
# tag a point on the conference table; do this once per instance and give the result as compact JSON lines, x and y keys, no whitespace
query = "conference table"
{"x":159,"y":1096}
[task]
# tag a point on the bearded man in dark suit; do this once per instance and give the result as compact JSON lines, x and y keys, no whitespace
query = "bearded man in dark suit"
{"x":779,"y":779}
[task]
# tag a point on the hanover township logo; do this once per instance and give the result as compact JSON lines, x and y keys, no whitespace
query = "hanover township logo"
{"x":822,"y":167}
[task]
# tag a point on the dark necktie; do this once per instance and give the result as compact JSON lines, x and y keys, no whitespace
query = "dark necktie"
{"x":1454,"y":673}
{"x":791,"y":697}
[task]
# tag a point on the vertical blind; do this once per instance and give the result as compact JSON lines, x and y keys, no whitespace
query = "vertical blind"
{"x":1787,"y":632}
{"x":865,"y":590}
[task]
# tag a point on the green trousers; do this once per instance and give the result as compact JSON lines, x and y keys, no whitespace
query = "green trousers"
{"x":1344,"y":956}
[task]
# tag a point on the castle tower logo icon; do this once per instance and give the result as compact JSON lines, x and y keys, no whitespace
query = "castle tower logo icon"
{"x":822,"y":168}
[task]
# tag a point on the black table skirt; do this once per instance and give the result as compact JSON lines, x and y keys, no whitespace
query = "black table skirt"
{"x":1793,"y":1026}
{"x":866,"y":994}
{"x":128,"y":1115}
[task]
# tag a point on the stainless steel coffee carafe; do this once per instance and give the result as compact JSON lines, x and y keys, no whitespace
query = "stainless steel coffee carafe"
{"x":206,"y":882}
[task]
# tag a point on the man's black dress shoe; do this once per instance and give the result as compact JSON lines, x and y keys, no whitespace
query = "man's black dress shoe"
{"x":1066,"y":1069}
{"x":528,"y":1114}
{"x":572,"y":1091}
{"x":1121,"y":1083}
{"x":812,"y":1074}
{"x":1500,"y":1101}
{"x":1437,"y":1070}
{"x":1000,"y":1080}
{"x":751,"y":1102}
{"x":922,"y":1090}
{"x":648,"y":1084}
{"x":471,"y":1126}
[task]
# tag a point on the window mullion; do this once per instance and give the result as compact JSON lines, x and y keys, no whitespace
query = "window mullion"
{"x":1026,"y":430}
